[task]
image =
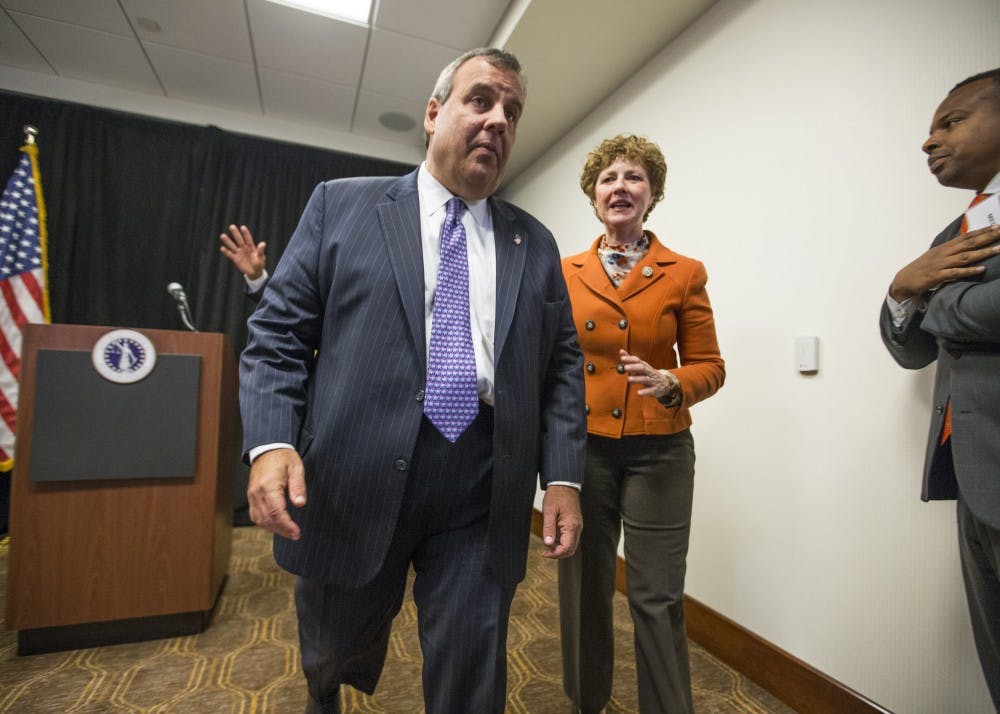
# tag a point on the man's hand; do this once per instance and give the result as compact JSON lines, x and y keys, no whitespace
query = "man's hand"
{"x":959,"y":258}
{"x":271,"y":474}
{"x":239,"y":247}
{"x":561,"y":521}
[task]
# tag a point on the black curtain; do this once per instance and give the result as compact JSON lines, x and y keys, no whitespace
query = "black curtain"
{"x":135,"y":203}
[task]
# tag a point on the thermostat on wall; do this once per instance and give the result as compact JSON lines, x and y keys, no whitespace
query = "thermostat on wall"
{"x":807,"y":354}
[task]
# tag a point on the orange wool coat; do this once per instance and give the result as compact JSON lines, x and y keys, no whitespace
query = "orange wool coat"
{"x":660,"y":312}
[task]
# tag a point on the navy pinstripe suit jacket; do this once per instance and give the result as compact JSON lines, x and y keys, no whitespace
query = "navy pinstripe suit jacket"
{"x":350,"y":288}
{"x":960,"y":328}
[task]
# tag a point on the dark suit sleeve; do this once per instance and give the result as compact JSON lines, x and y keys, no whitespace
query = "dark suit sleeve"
{"x":969,"y":310}
{"x":283,"y":337}
{"x":563,"y":418}
{"x":910,"y":344}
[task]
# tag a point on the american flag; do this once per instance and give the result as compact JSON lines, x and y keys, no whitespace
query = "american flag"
{"x":23,"y":289}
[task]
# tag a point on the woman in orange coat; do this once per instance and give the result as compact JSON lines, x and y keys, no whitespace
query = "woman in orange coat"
{"x":650,"y":352}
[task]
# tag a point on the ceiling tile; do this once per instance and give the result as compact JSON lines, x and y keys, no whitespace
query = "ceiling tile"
{"x":306,"y":100}
{"x":456,"y":23}
{"x":404,"y":67}
{"x":15,"y":49}
{"x":209,"y":80}
{"x":217,"y":28}
{"x":371,"y":106}
{"x":95,"y":14}
{"x":306,"y":44}
{"x":91,"y":55}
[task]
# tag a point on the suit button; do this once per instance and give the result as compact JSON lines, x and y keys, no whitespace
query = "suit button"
{"x":420,"y":395}
{"x":939,"y":409}
{"x":616,"y":413}
{"x":590,"y":325}
{"x":620,"y":368}
{"x":400,"y":464}
{"x":622,"y":324}
{"x":587,"y":409}
{"x":591,"y":368}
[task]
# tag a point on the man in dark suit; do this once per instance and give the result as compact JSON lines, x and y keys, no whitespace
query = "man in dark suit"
{"x":359,"y":465}
{"x":945,"y":305}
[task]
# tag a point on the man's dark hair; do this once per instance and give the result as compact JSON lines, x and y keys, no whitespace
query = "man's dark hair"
{"x":993,"y":74}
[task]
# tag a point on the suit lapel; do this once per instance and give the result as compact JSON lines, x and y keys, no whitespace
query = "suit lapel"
{"x":593,"y":276}
{"x":511,"y":249}
{"x":399,"y":217}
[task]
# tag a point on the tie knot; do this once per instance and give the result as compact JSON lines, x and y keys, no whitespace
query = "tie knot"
{"x":455,"y":207}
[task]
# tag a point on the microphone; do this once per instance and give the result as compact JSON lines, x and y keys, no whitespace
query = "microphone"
{"x":177,"y":293}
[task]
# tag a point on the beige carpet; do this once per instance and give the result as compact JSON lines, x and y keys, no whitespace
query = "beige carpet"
{"x":247,"y":660}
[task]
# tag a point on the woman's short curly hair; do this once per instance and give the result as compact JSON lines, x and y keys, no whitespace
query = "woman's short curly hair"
{"x":634,"y":148}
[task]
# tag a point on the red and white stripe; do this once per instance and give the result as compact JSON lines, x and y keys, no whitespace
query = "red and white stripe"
{"x":21,"y":301}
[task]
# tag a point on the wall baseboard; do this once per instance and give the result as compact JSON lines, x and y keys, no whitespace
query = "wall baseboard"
{"x":799,"y":685}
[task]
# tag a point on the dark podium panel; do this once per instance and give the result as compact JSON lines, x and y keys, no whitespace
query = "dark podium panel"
{"x":87,"y":428}
{"x":121,"y":500}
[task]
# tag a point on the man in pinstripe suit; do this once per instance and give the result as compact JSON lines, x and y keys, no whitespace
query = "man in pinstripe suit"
{"x":349,"y":473}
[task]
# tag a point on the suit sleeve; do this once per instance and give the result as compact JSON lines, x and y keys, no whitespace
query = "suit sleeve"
{"x":967,"y":311}
{"x":911,"y":344}
{"x":284,"y":334}
{"x":563,"y":416}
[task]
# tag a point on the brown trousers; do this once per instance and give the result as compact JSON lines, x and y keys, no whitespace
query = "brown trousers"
{"x":643,"y":484}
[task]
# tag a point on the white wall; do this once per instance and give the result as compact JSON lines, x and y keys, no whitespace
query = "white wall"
{"x":792,"y":131}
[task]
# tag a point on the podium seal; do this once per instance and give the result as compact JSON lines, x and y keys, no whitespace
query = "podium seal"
{"x":123,"y":356}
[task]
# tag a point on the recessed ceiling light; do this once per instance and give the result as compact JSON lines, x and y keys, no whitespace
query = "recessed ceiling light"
{"x":396,"y":121}
{"x":148,"y":24}
{"x":351,"y":10}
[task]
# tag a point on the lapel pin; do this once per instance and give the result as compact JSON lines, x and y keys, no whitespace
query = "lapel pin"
{"x":517,"y":239}
{"x":647,"y":271}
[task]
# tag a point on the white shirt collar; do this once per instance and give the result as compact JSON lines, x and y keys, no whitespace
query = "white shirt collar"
{"x":434,"y":196}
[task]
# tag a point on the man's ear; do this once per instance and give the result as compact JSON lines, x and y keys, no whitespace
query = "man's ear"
{"x":430,"y":115}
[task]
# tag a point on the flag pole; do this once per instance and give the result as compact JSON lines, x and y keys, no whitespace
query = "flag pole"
{"x":30,"y":133}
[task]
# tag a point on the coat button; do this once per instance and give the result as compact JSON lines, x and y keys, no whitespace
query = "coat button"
{"x":647,"y":272}
{"x":590,"y":325}
{"x":620,"y":368}
{"x":400,"y":464}
{"x":591,"y":368}
{"x":616,"y":413}
{"x":420,"y":395}
{"x":623,"y":324}
{"x":587,"y":409}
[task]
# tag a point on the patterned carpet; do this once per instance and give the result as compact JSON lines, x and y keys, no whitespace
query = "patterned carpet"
{"x":246,"y":662}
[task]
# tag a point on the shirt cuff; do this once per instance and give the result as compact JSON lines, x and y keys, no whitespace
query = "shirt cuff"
{"x":563,"y":483}
{"x":900,"y":311}
{"x":256,"y":284}
{"x":263,"y":448}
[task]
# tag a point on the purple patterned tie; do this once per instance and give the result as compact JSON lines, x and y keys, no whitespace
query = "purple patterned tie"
{"x":451,"y":400}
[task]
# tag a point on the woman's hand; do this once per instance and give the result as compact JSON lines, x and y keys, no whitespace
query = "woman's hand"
{"x":658,"y":383}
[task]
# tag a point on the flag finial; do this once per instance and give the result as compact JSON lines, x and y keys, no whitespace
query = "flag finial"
{"x":30,"y":133}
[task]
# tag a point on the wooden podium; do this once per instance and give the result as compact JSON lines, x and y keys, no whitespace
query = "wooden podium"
{"x":121,"y":498}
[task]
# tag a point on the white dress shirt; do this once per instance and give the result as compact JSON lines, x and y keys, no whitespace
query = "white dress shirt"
{"x":482,"y":256}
